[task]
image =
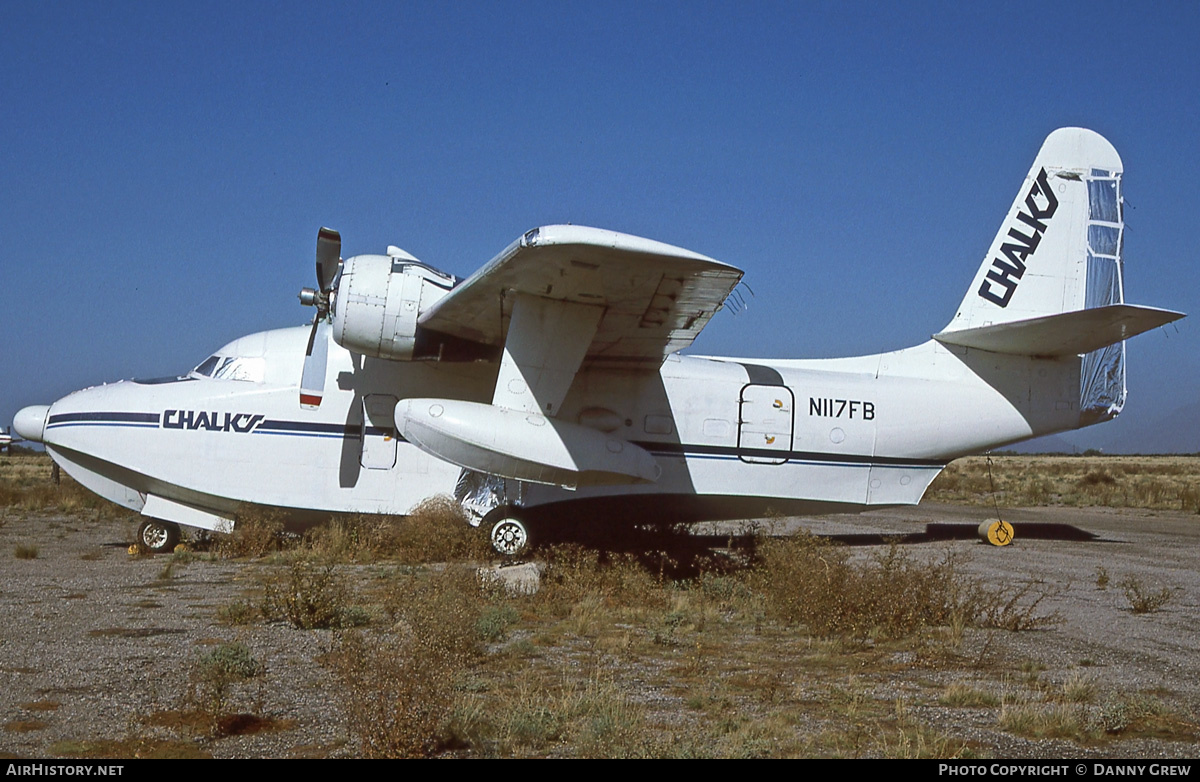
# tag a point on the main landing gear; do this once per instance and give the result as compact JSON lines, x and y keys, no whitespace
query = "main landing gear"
{"x":510,"y":533}
{"x":158,"y":536}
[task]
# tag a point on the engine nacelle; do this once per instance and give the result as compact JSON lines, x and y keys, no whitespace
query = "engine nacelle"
{"x":378,"y":299}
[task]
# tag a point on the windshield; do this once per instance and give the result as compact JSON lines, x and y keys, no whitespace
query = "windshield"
{"x":252,"y":370}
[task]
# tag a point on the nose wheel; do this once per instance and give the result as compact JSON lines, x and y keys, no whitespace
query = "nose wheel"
{"x":158,"y":536}
{"x":510,"y":537}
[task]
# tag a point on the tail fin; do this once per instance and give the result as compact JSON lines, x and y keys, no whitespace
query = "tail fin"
{"x":1059,"y":248}
{"x":1052,"y":282}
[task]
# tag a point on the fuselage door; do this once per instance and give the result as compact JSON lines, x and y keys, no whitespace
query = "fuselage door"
{"x":378,"y":432}
{"x":765,"y":424}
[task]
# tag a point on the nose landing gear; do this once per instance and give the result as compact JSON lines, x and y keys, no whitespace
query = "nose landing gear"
{"x":158,"y":536}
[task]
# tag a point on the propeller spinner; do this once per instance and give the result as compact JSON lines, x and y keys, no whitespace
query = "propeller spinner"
{"x":312,"y":379}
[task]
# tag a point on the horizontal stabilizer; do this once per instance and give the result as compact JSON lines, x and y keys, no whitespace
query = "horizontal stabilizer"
{"x":1064,"y":334}
{"x":521,"y":445}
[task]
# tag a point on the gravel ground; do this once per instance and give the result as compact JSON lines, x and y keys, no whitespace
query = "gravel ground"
{"x":92,"y":641}
{"x":1156,"y":653}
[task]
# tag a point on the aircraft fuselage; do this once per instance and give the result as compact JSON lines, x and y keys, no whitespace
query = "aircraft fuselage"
{"x":733,"y":437}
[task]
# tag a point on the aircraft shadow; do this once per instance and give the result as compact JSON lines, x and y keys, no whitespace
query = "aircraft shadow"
{"x":967,"y":531}
{"x":677,"y":553}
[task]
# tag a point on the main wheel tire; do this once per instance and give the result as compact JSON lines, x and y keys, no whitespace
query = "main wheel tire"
{"x":510,"y":537}
{"x":158,"y":536}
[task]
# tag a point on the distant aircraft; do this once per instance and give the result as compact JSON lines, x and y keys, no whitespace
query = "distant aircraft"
{"x":548,"y":387}
{"x":6,"y":440}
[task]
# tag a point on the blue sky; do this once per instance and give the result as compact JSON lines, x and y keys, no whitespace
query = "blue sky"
{"x":166,"y":166}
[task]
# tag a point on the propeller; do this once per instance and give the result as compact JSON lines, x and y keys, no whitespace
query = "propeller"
{"x":312,"y":379}
{"x":7,"y":441}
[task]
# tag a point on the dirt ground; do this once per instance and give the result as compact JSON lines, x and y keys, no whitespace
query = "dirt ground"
{"x":95,"y":645}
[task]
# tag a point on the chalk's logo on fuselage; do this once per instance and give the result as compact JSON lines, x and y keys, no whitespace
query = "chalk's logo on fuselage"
{"x":213,"y":422}
{"x":1007,"y":273}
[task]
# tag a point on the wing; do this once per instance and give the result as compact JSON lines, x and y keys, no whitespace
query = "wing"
{"x":555,"y":298}
{"x":653,"y":298}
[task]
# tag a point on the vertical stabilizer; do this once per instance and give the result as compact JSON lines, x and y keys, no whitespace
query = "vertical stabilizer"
{"x":1038,"y":263}
{"x":1059,"y":250}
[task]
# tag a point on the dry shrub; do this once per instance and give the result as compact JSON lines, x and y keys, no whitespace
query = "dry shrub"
{"x":398,"y":692}
{"x":1016,"y":610}
{"x":311,"y":595}
{"x":494,"y":621}
{"x":354,"y":538}
{"x":1143,"y":599}
{"x":726,"y":592}
{"x":397,"y":701}
{"x":256,"y":533}
{"x":437,"y":531}
{"x":12,"y":496}
{"x":441,"y":608}
{"x":575,"y":572}
{"x":1099,"y":477}
{"x":228,"y":662}
{"x":811,"y":581}
{"x":1040,"y":491}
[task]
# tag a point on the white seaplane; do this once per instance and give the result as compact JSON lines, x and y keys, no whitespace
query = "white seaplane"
{"x":548,"y":387}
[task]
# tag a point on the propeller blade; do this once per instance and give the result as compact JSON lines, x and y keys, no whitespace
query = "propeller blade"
{"x":312,"y":379}
{"x":329,"y":254}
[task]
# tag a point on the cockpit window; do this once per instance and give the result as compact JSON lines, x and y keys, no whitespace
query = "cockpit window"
{"x":207,"y":366}
{"x":251,"y":370}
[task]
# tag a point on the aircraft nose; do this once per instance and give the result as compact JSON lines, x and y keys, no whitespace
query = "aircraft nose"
{"x":30,"y":422}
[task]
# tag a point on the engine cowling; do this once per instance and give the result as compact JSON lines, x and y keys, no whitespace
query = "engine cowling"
{"x":378,"y":299}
